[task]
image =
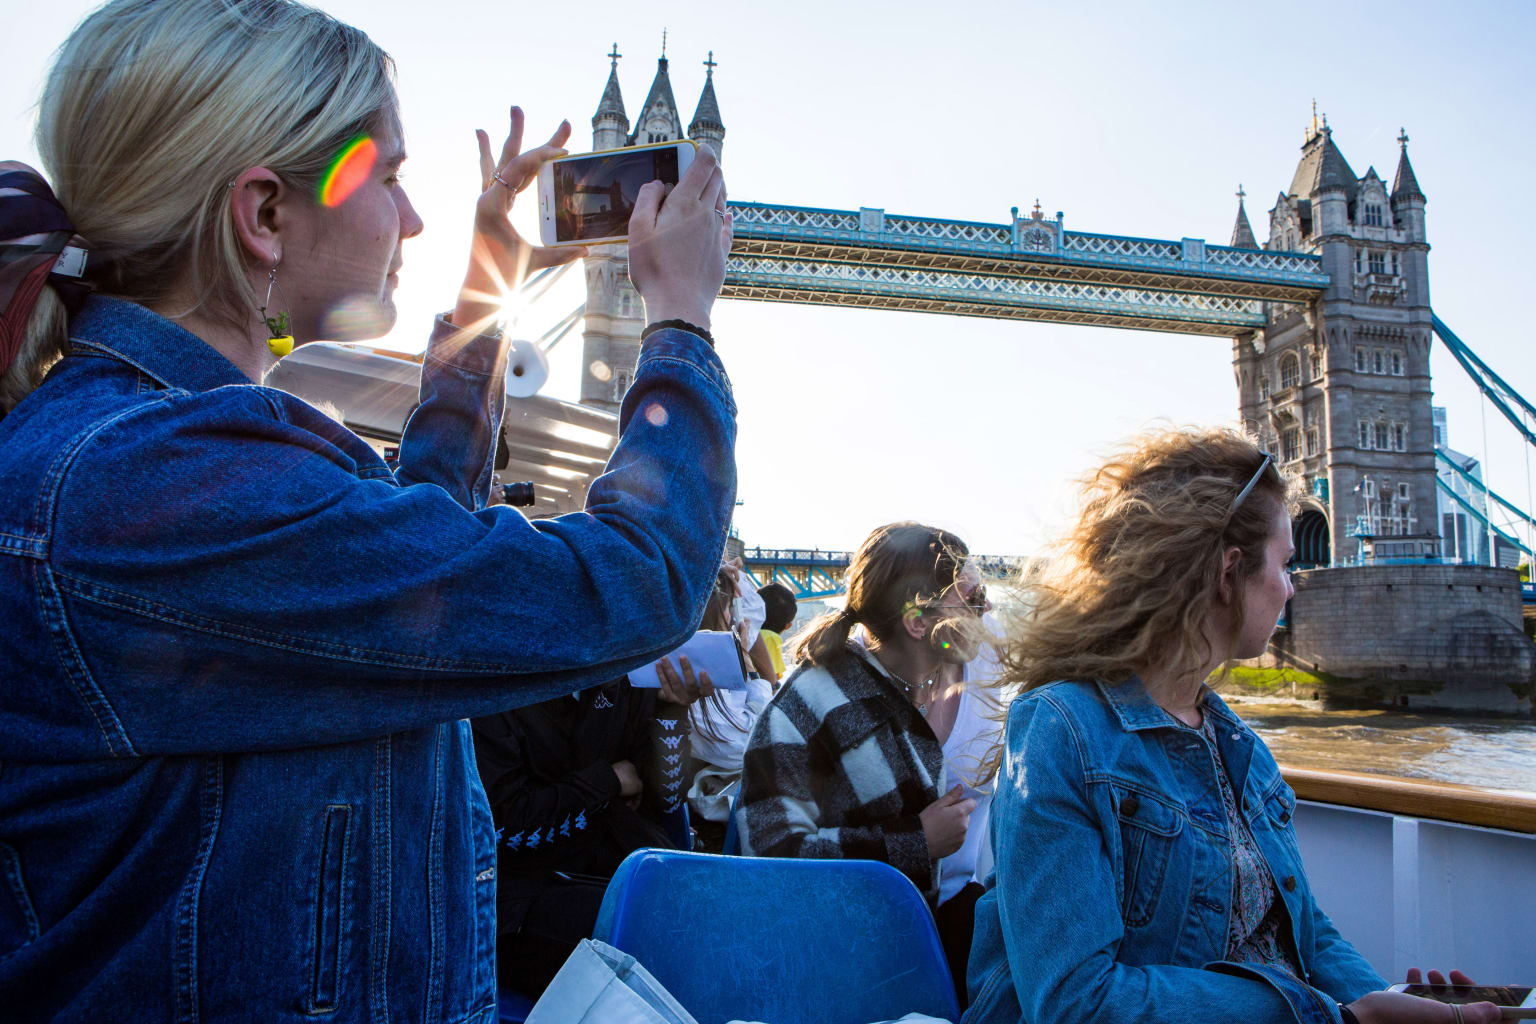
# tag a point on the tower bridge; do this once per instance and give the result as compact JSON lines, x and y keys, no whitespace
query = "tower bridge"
{"x":1030,"y":268}
{"x":1330,"y":327}
{"x":811,"y":573}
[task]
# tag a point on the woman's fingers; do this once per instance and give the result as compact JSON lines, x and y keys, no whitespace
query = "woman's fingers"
{"x":487,"y":164}
{"x":706,"y":688}
{"x":514,"y":143}
{"x":647,"y":206}
{"x":1459,"y":978}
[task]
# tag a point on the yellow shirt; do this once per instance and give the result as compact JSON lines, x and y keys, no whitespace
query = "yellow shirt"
{"x":775,"y":645}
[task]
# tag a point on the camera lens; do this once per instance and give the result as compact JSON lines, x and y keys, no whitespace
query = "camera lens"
{"x":519,"y":494}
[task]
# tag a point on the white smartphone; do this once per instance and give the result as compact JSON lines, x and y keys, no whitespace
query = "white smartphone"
{"x":1515,"y":1002}
{"x":587,"y":199}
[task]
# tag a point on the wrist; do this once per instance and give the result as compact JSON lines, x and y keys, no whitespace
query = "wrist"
{"x":1347,"y":1015}
{"x":690,"y":312}
{"x":681,"y":325}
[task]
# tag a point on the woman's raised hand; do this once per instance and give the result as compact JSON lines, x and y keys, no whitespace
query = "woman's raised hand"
{"x":678,"y":241}
{"x":682,"y":687}
{"x":499,"y":257}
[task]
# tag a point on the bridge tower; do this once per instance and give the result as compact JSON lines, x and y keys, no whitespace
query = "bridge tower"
{"x":1338,"y":389}
{"x":614,"y":313}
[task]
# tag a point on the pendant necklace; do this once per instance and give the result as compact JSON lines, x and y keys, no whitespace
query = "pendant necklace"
{"x":908,"y":688}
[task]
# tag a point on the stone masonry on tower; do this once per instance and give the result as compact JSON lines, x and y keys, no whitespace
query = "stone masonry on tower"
{"x":1339,"y":390}
{"x":615,"y":314}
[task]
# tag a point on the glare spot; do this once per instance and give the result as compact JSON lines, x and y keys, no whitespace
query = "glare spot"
{"x":356,"y":318}
{"x":655,"y":415}
{"x":599,"y":369}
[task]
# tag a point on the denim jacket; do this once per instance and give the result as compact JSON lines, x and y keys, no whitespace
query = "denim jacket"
{"x":235,"y":655}
{"x":1109,"y":900}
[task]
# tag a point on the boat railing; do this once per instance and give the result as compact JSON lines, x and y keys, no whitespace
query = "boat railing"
{"x":1417,"y":873}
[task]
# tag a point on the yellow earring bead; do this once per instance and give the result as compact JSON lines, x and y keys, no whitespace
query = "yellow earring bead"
{"x":281,"y":346}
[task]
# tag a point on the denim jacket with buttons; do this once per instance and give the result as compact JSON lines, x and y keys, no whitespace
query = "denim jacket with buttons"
{"x":1110,"y":897}
{"x":236,"y":652}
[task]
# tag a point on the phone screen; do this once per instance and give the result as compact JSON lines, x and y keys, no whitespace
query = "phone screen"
{"x":1499,"y":995}
{"x":594,"y":195}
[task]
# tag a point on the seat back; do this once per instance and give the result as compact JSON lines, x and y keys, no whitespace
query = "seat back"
{"x":779,"y":939}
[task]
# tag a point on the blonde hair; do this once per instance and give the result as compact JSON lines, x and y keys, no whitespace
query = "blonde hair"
{"x":153,"y":107}
{"x":899,"y":566}
{"x":1137,"y":577}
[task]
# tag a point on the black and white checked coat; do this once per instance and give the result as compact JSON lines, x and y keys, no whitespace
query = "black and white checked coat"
{"x":840,"y":765}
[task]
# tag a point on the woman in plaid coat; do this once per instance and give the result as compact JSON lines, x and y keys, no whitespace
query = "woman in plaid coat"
{"x":843,"y":762}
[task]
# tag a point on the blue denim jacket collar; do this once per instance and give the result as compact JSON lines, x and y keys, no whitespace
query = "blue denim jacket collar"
{"x":165,"y":351}
{"x":1136,"y":710}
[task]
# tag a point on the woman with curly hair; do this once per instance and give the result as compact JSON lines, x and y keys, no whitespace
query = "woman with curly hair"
{"x":1147,"y":867}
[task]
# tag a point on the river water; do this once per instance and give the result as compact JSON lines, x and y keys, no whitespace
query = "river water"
{"x":1476,"y":751}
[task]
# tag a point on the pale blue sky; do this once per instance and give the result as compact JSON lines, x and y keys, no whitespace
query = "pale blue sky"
{"x":1134,"y":119}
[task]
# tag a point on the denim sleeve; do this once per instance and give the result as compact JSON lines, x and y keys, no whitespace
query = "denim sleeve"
{"x":244,"y":589}
{"x":450,"y":438}
{"x":1337,"y":966}
{"x":1057,"y":898}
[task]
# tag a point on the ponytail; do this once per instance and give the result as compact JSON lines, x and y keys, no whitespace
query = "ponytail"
{"x":825,"y":638}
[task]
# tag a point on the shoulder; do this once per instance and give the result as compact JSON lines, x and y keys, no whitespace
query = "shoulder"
{"x":1053,"y":721}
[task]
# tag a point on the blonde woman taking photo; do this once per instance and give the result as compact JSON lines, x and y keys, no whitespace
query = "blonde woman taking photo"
{"x":1147,"y":867}
{"x":237,"y":647}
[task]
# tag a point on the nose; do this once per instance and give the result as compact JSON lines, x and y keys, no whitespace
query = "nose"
{"x":411,"y":223}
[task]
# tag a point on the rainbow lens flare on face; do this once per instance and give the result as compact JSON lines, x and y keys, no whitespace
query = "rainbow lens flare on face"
{"x":348,"y":171}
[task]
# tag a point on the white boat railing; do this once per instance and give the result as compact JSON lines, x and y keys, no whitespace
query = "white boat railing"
{"x":1423,"y":874}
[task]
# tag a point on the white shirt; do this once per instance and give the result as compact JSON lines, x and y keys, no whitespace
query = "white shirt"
{"x":978,"y":727}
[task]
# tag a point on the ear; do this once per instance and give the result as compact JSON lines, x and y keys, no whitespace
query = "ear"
{"x":912,"y":622}
{"x":254,"y":205}
{"x":1227,"y":585}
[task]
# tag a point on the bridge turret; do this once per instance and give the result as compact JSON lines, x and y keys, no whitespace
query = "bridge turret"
{"x":610,"y":124}
{"x":706,"y":127}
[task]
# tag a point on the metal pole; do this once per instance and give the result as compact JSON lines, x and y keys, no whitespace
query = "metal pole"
{"x":1493,"y":556}
{"x":1530,"y":506}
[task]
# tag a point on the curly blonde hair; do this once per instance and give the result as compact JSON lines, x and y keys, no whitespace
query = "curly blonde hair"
{"x":1137,"y":576}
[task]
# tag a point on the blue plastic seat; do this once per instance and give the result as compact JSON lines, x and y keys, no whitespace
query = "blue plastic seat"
{"x":779,"y":939}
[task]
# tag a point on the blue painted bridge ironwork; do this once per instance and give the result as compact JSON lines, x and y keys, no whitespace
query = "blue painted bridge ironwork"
{"x":1028,"y":269}
{"x":812,"y":573}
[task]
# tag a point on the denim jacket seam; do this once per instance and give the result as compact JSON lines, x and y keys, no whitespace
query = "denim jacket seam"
{"x":53,"y":478}
{"x":317,"y":648}
{"x":447,"y":364}
{"x":189,"y":896}
{"x":702,"y":372}
{"x":72,"y":663}
{"x":96,"y":348}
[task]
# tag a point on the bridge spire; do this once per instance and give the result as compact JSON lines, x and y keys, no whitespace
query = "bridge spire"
{"x":1405,"y":185}
{"x":1242,"y":231}
{"x":610,"y":123}
{"x":707,"y":128}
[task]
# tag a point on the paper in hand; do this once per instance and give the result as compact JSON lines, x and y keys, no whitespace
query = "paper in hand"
{"x":710,"y":652}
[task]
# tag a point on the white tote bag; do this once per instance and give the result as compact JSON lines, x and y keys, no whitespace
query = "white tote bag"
{"x":600,"y":985}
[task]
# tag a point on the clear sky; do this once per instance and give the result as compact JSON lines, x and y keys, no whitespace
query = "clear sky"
{"x":1132,"y":118}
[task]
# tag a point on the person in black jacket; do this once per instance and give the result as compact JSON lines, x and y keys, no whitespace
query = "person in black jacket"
{"x":575,"y":784}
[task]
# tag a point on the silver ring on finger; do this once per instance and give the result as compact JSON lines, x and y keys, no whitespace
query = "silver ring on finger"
{"x":496,"y":176}
{"x":1456,"y":1009}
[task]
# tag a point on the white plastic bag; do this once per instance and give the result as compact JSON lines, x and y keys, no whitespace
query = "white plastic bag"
{"x":600,"y":985}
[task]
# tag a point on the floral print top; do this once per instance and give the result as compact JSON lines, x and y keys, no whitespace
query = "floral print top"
{"x":1256,"y":931}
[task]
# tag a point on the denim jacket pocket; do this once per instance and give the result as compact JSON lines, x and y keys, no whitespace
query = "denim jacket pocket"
{"x":18,"y":919}
{"x":1149,"y":827}
{"x":330,"y":908}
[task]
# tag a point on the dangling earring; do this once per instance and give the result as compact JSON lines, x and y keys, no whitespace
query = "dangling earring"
{"x":281,"y":340}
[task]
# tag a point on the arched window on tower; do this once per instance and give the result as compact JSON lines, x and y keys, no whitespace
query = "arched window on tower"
{"x":1290,"y":370}
{"x":1316,"y":360}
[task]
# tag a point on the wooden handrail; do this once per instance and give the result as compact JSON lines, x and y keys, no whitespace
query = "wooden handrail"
{"x":1445,"y":801}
